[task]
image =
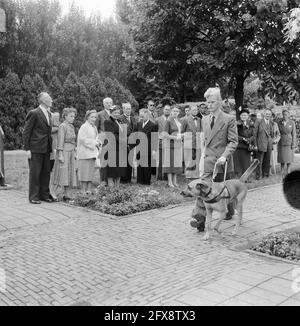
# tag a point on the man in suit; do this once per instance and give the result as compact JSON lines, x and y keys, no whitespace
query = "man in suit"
{"x":263,"y":140}
{"x":220,"y":142}
{"x":191,"y":128}
{"x":187,"y":112}
{"x":38,"y":143}
{"x":152,"y":113}
{"x":202,"y":111}
{"x":147,"y":146}
{"x":161,"y":123}
{"x":103,"y":116}
{"x":131,"y":123}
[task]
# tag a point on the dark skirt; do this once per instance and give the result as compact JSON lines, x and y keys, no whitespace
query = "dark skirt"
{"x":172,"y":162}
{"x":117,"y":171}
{"x":242,"y":160}
{"x":285,"y":154}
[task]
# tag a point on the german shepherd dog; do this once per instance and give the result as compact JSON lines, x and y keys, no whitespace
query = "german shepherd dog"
{"x":217,"y":196}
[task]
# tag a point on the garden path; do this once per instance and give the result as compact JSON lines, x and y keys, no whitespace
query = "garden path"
{"x":55,"y":254}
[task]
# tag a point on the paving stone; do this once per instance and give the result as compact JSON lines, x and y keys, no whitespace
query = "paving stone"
{"x":68,"y":255}
{"x":290,"y":303}
{"x":195,"y":301}
{"x":279,"y":286}
{"x":267,"y":295}
{"x":254,"y":300}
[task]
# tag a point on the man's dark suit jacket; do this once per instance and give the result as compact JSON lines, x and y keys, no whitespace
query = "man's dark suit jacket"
{"x":132,"y":125}
{"x":151,"y":132}
{"x":37,"y":132}
{"x":102,"y":116}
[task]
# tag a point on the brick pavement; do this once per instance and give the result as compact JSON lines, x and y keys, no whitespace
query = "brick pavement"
{"x":60,"y":255}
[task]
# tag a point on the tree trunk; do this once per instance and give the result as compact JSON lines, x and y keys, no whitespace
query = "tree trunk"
{"x":239,"y":93}
{"x":183,"y":93}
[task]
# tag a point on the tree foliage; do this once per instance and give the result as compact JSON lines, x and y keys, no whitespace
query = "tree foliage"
{"x":188,"y":41}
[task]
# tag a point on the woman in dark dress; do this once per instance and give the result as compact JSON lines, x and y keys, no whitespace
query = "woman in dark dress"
{"x":116,"y":134}
{"x":173,"y":148}
{"x":242,"y":156}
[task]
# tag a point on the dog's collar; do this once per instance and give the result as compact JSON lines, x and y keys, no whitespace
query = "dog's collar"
{"x":217,"y":198}
{"x":210,"y":191}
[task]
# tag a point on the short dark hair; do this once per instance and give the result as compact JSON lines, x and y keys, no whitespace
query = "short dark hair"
{"x":285,"y":110}
{"x":115,"y":108}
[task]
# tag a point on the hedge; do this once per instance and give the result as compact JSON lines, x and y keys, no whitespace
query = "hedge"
{"x":18,"y":97}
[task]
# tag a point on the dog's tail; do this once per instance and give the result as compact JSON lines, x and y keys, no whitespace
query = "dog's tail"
{"x":251,"y":169}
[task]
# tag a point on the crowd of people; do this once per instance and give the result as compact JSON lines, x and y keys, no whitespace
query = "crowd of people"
{"x":149,"y":146}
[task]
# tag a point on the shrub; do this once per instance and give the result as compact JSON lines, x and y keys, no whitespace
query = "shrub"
{"x":128,"y":199}
{"x":283,"y":245}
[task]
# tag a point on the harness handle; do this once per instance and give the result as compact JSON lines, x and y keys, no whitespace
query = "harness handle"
{"x":216,"y":171}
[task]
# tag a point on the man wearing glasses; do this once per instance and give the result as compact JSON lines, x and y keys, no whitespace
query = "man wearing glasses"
{"x":152,"y":111}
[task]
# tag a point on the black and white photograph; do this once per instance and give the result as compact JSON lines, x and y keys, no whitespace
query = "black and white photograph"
{"x":149,"y":155}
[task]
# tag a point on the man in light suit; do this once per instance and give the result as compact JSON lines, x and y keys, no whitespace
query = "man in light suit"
{"x":103,"y":116}
{"x":220,"y":142}
{"x":263,"y":140}
{"x":161,"y":123}
{"x":38,"y":143}
{"x":191,"y":128}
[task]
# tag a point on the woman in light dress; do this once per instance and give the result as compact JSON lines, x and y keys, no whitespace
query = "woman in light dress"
{"x":64,"y":175}
{"x":173,"y":148}
{"x":287,"y":143}
{"x":277,"y":137}
{"x":88,"y":145}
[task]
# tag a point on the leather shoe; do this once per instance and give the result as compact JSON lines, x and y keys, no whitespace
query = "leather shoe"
{"x":200,"y":226}
{"x":228,"y":218}
{"x":48,"y":200}
{"x":35,"y":202}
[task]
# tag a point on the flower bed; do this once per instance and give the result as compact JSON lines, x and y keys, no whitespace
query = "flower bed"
{"x":283,"y":244}
{"x":128,"y":200}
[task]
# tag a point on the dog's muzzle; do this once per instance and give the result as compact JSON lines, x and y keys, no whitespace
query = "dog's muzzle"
{"x":187,"y":192}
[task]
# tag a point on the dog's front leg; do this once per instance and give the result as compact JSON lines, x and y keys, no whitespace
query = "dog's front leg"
{"x":221,"y":219}
{"x":208,"y":224}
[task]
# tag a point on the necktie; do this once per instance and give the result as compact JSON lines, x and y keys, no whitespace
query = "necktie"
{"x":212,"y":123}
{"x":196,"y":121}
{"x":46,"y":114}
{"x":119,"y":125}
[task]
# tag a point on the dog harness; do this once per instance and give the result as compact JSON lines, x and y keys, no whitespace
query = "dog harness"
{"x":218,"y":197}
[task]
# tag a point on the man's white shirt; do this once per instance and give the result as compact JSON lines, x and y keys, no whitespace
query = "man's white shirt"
{"x":45,"y":111}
